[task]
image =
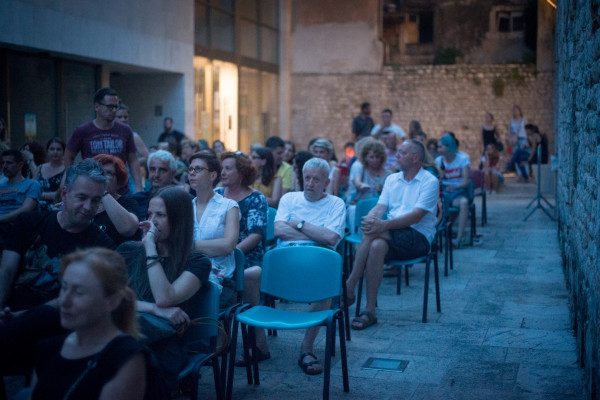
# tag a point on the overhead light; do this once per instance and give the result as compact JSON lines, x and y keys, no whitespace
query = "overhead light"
{"x":552,"y":3}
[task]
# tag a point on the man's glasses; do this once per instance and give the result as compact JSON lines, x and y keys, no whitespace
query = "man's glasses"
{"x":111,"y":107}
{"x":196,"y":170}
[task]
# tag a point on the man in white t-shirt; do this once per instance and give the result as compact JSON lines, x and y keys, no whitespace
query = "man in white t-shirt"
{"x":387,"y":126}
{"x":311,"y":217}
{"x":410,"y":197}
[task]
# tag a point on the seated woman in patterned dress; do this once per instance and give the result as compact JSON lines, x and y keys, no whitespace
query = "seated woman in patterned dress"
{"x":237,"y":174}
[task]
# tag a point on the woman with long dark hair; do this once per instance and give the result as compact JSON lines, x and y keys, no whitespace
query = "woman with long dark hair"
{"x":165,"y":271}
{"x":267,"y":182}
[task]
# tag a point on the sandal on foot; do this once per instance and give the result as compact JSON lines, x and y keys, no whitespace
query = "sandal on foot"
{"x":260,"y":356}
{"x":306,"y":365}
{"x":363,"y":321}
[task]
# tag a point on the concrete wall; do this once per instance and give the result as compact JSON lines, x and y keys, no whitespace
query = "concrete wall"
{"x":123,"y":36}
{"x":441,"y":97}
{"x":578,"y":139}
{"x":330,"y":36}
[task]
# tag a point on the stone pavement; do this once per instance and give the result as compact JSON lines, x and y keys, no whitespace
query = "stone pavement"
{"x":503,"y":333}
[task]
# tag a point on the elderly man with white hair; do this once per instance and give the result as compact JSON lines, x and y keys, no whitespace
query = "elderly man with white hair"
{"x":311,"y":218}
{"x":161,"y":173}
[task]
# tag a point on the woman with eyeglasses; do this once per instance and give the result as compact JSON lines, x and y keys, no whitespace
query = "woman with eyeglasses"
{"x":267,"y":182}
{"x":216,"y":222}
{"x":117,"y":215}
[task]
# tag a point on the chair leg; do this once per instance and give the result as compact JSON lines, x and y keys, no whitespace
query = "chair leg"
{"x":426,"y":291}
{"x":343,"y":357}
{"x":446,"y":251}
{"x":217,"y":377}
{"x":406,"y":274}
{"x":473,"y":223}
{"x":398,"y":279}
{"x":252,"y":334}
{"x":483,"y":210}
{"x":450,"y":247}
{"x":232,"y":351}
{"x":345,"y":271}
{"x":246,"y":344}
{"x":436,"y":276}
{"x":329,"y":339}
{"x":359,"y":295}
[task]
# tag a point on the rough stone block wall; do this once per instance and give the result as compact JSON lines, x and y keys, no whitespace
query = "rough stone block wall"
{"x":578,"y":143}
{"x":442,"y":98}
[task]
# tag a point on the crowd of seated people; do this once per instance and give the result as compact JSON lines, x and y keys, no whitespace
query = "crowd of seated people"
{"x":196,"y":208}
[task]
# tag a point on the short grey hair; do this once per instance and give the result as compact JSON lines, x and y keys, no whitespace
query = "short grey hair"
{"x":163,"y":155}
{"x":88,"y":168}
{"x":317,"y":163}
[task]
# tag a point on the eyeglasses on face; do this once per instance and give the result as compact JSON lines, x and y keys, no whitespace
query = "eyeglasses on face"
{"x":111,"y":107}
{"x":196,"y":170}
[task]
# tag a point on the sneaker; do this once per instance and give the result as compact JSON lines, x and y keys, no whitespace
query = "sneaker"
{"x":477,"y":241}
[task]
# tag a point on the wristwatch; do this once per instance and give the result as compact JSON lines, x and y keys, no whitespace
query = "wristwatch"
{"x":300,"y":225}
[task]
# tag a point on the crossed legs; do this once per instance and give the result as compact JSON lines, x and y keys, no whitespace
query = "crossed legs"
{"x":463,"y":215}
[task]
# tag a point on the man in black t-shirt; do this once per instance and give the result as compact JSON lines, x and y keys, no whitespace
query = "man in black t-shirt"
{"x":29,"y":266}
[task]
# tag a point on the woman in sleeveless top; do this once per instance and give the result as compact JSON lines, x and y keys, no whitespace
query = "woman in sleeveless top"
{"x":50,"y":173}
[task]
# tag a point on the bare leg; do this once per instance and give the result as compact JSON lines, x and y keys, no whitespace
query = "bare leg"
{"x":311,"y":333}
{"x":360,"y":259}
{"x":463,"y":215}
{"x":379,"y":248}
{"x":495,"y":182}
{"x":252,"y":296}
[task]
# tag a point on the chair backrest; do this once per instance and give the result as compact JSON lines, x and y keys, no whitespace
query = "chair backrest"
{"x":238,"y":273}
{"x":270,"y":239}
{"x":204,"y":304}
{"x":362,"y":208}
{"x":478,"y":178}
{"x":303,"y":274}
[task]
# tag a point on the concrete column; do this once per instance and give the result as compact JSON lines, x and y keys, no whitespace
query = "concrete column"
{"x":285,"y":51}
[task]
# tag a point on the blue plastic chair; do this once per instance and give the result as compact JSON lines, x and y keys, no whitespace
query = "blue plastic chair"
{"x":303,"y":274}
{"x":201,"y":338}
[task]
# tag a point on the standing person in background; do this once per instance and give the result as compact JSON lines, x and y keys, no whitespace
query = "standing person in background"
{"x":489,"y":133}
{"x":323,"y":149}
{"x":50,"y":174}
{"x":103,"y":135}
{"x":122,"y":116}
{"x":267,"y":182}
{"x":363,"y":124}
{"x":171,"y":135}
{"x":284,"y":170}
{"x":387,"y":126}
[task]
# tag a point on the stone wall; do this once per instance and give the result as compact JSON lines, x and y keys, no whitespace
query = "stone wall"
{"x":578,"y":139}
{"x":442,"y":98}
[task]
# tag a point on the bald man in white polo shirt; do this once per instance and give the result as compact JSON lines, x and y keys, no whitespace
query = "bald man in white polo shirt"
{"x":410,"y":198}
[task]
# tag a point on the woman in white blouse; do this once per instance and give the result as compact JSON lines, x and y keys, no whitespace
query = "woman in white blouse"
{"x":216,"y":219}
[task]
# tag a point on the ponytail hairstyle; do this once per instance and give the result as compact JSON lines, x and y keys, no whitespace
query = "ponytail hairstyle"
{"x":110,"y":269}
